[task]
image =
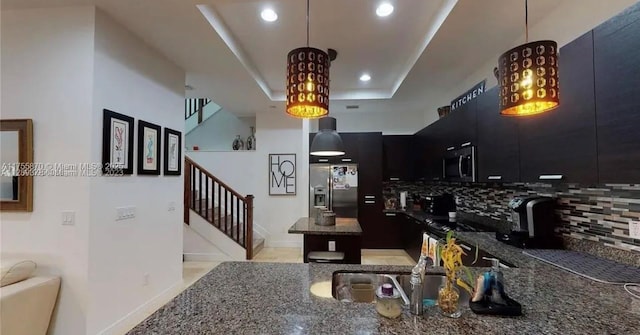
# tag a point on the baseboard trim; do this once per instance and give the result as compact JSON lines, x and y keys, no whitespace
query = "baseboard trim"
{"x":201,"y":257}
{"x":139,"y":312}
{"x":282,"y":244}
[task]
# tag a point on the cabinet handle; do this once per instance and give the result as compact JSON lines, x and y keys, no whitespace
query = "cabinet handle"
{"x":370,"y":202}
{"x":394,"y":179}
{"x":450,"y":148}
{"x":369,"y":196}
{"x":550,"y":177}
{"x":390,"y":214}
{"x":495,"y":178}
{"x":467,"y":248}
{"x":465,"y":144}
{"x":346,"y":159}
{"x":323,"y":160}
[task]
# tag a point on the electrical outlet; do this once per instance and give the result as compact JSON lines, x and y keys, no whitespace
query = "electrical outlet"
{"x":332,"y":245}
{"x":68,"y":218}
{"x":145,"y":279}
{"x":172,"y":206}
{"x":124,"y":213}
{"x":634,"y":229}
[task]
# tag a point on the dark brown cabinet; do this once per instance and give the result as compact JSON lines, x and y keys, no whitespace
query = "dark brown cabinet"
{"x":561,"y":144}
{"x":370,"y":202}
{"x":497,"y":146}
{"x":393,"y":227}
{"x":430,"y":147}
{"x":398,"y":154}
{"x":617,"y":91}
{"x":459,"y":127}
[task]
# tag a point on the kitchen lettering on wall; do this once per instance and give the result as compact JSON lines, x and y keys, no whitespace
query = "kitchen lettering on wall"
{"x":471,"y":94}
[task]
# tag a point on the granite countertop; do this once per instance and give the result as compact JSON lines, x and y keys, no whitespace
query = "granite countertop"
{"x":343,"y":226}
{"x":275,"y":298}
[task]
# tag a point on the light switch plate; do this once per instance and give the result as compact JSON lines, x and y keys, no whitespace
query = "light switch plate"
{"x":172,"y":206}
{"x":634,"y":229}
{"x":68,"y":218}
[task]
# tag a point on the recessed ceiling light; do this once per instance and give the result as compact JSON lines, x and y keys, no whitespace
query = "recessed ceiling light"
{"x":385,"y":9}
{"x":269,"y":15}
{"x":365,"y":77}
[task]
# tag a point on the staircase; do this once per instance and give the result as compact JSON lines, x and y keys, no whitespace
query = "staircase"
{"x":221,"y":206}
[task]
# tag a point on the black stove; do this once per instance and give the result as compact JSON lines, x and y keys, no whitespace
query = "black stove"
{"x":442,"y":226}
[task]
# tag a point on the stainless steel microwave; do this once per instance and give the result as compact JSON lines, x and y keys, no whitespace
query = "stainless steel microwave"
{"x":460,"y":164}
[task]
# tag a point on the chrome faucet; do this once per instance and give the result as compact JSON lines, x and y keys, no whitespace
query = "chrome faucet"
{"x":397,"y":285}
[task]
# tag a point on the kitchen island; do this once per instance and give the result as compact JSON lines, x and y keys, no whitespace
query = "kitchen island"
{"x":346,"y":234}
{"x":269,"y":298}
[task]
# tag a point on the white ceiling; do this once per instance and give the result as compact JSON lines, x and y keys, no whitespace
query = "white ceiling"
{"x":406,"y":71}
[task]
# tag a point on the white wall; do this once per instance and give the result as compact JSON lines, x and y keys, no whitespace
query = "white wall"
{"x":47,"y":75}
{"x":218,"y":132}
{"x":133,"y":79}
{"x":570,"y":20}
{"x":247,"y":173}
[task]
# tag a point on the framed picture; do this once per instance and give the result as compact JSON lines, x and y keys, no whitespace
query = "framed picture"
{"x":117,"y":143}
{"x":172,"y":152}
{"x":148,"y":148}
{"x":282,"y":174}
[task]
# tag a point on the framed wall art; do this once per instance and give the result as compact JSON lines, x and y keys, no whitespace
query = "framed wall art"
{"x":282,"y":174}
{"x":117,"y":143}
{"x":172,"y":152}
{"x":148,"y":148}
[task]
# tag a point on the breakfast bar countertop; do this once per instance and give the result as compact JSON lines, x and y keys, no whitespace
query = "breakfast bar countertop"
{"x":277,"y":298}
{"x":343,"y":226}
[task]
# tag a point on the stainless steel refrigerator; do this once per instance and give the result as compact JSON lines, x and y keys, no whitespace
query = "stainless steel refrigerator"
{"x":335,"y":187}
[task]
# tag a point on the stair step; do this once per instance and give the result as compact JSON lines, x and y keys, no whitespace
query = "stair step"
{"x":258,"y":244}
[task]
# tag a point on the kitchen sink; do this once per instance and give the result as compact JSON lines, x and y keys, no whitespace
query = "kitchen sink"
{"x":345,"y":283}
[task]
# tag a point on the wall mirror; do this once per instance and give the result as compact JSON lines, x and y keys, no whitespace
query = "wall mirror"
{"x":16,"y":155}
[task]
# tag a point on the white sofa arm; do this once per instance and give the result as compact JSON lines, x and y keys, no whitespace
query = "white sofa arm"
{"x":26,"y":306}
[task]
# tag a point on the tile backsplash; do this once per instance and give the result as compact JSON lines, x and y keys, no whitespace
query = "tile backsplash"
{"x":601,"y":214}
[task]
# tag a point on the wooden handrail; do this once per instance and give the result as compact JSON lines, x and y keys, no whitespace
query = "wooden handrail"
{"x":237,"y":220}
{"x":205,"y":172}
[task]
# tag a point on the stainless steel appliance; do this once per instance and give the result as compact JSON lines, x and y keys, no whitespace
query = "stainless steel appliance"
{"x":533,"y":222}
{"x":335,"y":187}
{"x":460,"y":164}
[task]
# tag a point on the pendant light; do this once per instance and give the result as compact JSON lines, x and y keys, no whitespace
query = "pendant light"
{"x":528,"y":77}
{"x":327,"y":141}
{"x":307,"y":81}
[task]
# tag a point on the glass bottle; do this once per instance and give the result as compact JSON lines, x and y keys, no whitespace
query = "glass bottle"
{"x":251,"y":140}
{"x":238,"y":144}
{"x":449,"y":299}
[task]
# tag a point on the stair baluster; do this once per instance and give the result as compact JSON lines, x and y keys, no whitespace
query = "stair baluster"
{"x":238,"y":209}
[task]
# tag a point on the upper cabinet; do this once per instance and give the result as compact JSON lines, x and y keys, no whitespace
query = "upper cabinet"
{"x":398,"y":156}
{"x":561,"y":144}
{"x":459,"y":127}
{"x":497,"y":145}
{"x":617,"y":91}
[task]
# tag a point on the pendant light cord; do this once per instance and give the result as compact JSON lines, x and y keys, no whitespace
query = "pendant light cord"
{"x":307,"y":23}
{"x":526,"y":21}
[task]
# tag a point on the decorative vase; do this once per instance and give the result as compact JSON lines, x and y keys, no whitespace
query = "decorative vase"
{"x":449,"y":299}
{"x":251,"y":140}
{"x":238,"y":144}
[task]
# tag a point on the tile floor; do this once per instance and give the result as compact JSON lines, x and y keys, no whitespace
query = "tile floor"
{"x":192,"y":271}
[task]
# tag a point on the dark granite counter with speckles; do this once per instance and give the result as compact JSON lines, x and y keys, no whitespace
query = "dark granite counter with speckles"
{"x":275,"y":298}
{"x":343,"y":226}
